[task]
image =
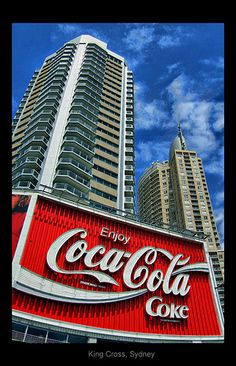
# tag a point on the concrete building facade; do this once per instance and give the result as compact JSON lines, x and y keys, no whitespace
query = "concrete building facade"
{"x":74,"y":129}
{"x":183,"y":199}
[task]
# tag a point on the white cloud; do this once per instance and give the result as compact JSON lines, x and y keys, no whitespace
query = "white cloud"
{"x":218,"y":115}
{"x":134,"y":61}
{"x":175,"y":35}
{"x":219,"y":197}
{"x":137,"y":42}
{"x":152,"y":150}
{"x":219,"y":217}
{"x":216,"y":164}
{"x":74,"y":30}
{"x":180,"y":89}
{"x":173,"y":67}
{"x":139,"y":38}
{"x":219,"y":212}
{"x":199,"y":118}
{"x":148,"y":114}
{"x":69,"y":28}
{"x":167,"y":41}
{"x":200,"y":135}
{"x":217,"y":62}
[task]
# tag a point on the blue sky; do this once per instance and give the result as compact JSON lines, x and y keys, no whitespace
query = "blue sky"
{"x":178,"y":73}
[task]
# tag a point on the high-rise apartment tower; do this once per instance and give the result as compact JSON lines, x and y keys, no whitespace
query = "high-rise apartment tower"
{"x":153,"y":193}
{"x":176,"y":193}
{"x":74,"y":129}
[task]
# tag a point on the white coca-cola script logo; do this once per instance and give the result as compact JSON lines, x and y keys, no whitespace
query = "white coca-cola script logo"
{"x":112,"y":261}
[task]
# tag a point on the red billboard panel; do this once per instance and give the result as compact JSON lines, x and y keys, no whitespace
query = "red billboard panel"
{"x":97,"y":273}
{"x":20,"y":205}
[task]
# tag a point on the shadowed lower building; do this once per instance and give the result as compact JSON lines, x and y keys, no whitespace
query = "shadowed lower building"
{"x":176,"y":192}
{"x":153,"y":193}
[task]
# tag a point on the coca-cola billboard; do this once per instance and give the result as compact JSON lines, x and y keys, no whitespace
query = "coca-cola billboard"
{"x":102,"y":275}
{"x":20,"y":205}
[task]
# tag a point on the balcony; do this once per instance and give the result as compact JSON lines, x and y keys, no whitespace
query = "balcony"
{"x":41,"y":131}
{"x":40,"y":122}
{"x":35,"y":151}
{"x":76,"y":166}
{"x":129,"y":158}
{"x":79,"y":92}
{"x":129,"y":200}
{"x":73,"y":152}
{"x":79,"y":143}
{"x":89,"y":79}
{"x":25,"y":185}
{"x":36,"y":140}
{"x":45,"y":108}
{"x":87,"y":124}
{"x":129,"y":168}
{"x":129,"y":150}
{"x":88,"y":99}
{"x":92,"y":71}
{"x":30,"y":162}
{"x":72,"y":178}
{"x":129,"y":178}
{"x":86,"y":110}
{"x":26,"y":174}
{"x":80,"y":132}
{"x":91,"y":88}
{"x":129,"y":188}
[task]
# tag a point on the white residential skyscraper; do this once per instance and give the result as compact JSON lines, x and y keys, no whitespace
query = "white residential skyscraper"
{"x":74,"y":129}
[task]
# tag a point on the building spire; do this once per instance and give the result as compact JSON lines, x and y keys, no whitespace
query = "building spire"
{"x":178,"y":143}
{"x":179,"y":128}
{"x":181,"y":137}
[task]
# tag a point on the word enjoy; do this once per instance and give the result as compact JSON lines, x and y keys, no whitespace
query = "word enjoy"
{"x":114,"y":236}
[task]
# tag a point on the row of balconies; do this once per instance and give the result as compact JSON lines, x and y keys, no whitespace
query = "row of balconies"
{"x":37,"y":131}
{"x":129,"y":148}
{"x":75,"y":141}
{"x":92,"y":61}
{"x":32,"y":151}
{"x":87,"y":136}
{"x":94,"y":50}
{"x":71,"y":190}
{"x":80,"y":106}
{"x":24,"y":184}
{"x":68,"y":150}
{"x":78,"y":165}
{"x":92,"y":97}
{"x":84,"y":119}
{"x":32,"y":162}
{"x":37,"y":140}
{"x":92,"y":71}
{"x":68,"y":175}
{"x":90,"y":80}
{"x":26,"y":173}
{"x":81,"y":84}
{"x":87,"y":98}
{"x":40,"y":122}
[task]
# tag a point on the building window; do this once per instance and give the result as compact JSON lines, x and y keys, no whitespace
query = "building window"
{"x":103,"y":194}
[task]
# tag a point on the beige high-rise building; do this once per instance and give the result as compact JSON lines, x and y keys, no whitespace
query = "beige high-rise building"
{"x":74,"y":129}
{"x":153,"y":193}
{"x":182,"y":199}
